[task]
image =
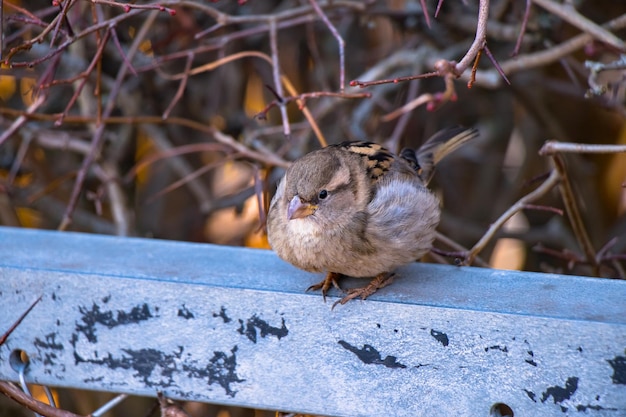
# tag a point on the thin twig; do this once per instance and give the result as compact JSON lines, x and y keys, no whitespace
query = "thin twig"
{"x":85,"y":76}
{"x":170,"y":152}
{"x":305,"y":110}
{"x":571,"y":15}
{"x":472,"y":79}
{"x":180,"y":166}
{"x":522,"y":30}
{"x":573,"y":213}
{"x":116,"y":41}
{"x":543,"y":208}
{"x":98,"y":137}
{"x":19,"y":157}
{"x":618,"y":267}
{"x":215,"y":64}
{"x":439,"y":4}
{"x":491,"y":78}
{"x":495,"y":64}
{"x":39,"y":38}
{"x":55,"y":139}
{"x":181,"y":86}
{"x":479,"y":39}
{"x":425,"y":12}
{"x":19,"y":320}
{"x":553,"y":147}
{"x":1,"y":29}
{"x":301,"y":99}
{"x":19,"y":122}
{"x":340,"y":42}
{"x":224,"y":40}
{"x":190,"y":177}
{"x":460,"y":250}
{"x":393,"y":142}
{"x":265,"y":157}
{"x":129,"y":6}
{"x":433,"y":101}
{"x":452,"y":68}
{"x":29,"y":402}
{"x":109,"y":177}
{"x":362,"y":84}
{"x":603,"y":252}
{"x":278,"y":85}
{"x":63,"y":13}
{"x":571,"y":257}
{"x":540,"y":191}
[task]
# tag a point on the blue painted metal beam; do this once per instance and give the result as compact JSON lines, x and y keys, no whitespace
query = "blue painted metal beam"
{"x":234,"y":326}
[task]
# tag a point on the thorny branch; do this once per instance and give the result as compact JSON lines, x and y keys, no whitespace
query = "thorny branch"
{"x":340,"y":42}
{"x":569,"y":14}
{"x":539,"y":192}
{"x":491,"y":79}
{"x":29,"y":402}
{"x":17,"y":322}
{"x":98,"y":137}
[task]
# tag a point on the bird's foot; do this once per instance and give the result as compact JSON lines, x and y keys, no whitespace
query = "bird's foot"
{"x":331,"y":279}
{"x":380,"y":281}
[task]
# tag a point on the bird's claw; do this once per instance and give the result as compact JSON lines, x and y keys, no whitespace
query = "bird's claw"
{"x":380,"y":281}
{"x":331,"y":279}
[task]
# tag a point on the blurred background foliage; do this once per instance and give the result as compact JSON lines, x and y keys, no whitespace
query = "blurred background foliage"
{"x":166,"y":120}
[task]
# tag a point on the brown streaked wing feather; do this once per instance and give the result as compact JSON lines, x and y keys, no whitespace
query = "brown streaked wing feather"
{"x":378,"y":158}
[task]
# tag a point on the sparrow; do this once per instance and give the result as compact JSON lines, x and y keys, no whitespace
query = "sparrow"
{"x":356,"y":209}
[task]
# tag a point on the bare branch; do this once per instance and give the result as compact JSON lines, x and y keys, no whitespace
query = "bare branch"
{"x":539,"y":192}
{"x":491,"y":78}
{"x":340,"y":42}
{"x":553,"y":147}
{"x":479,"y":40}
{"x":277,"y":80}
{"x":98,"y":136}
{"x":29,"y":402}
{"x":570,"y":15}
{"x":573,"y":213}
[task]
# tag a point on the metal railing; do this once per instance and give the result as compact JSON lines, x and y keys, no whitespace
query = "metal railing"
{"x":234,"y":326}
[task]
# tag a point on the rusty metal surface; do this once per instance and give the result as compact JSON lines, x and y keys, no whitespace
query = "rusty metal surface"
{"x":234,"y":326}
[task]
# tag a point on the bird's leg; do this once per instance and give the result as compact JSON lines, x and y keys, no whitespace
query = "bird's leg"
{"x":331,"y":279}
{"x":380,"y":281}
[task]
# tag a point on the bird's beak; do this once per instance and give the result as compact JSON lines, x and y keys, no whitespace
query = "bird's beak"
{"x":298,"y":209}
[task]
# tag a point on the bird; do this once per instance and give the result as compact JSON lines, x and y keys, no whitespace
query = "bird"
{"x":357,"y":209}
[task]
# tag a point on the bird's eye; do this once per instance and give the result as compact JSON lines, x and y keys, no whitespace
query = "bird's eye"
{"x":323,"y":194}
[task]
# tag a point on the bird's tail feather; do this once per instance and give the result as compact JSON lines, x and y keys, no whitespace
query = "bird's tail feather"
{"x":436,"y":148}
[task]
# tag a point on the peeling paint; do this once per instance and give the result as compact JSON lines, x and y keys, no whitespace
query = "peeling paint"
{"x":185,"y":313}
{"x":497,"y":347}
{"x":618,"y":364}
{"x":144,"y":362}
{"x":49,"y":343}
{"x":560,"y":394}
{"x":91,"y":317}
{"x":254,"y":323}
{"x":531,"y":395}
{"x":369,"y":355}
{"x":223,"y":315}
{"x":49,"y":348}
{"x":220,"y":370}
{"x":583,"y":408}
{"x":441,"y":337}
